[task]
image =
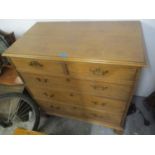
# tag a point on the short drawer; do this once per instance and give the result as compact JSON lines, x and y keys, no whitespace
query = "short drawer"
{"x":55,"y":95}
{"x":106,"y":73}
{"x":103,"y":104}
{"x":103,"y":89}
{"x":36,"y":66}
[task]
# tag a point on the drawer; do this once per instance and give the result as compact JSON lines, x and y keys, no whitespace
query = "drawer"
{"x":43,"y":67}
{"x":108,"y":90}
{"x":103,"y":104}
{"x":48,"y":81}
{"x":81,"y":112}
{"x":55,"y":95}
{"x":114,"y":91}
{"x":61,"y":108}
{"x":107,"y":73}
{"x":93,"y":103}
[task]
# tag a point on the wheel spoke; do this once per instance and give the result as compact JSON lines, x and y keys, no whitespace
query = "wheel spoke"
{"x":16,"y":110}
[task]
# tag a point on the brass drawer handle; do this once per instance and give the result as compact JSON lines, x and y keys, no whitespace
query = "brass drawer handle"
{"x":99,"y":71}
{"x":71,"y":94}
{"x":100,"y":87}
{"x":52,"y":95}
{"x":96,"y":115}
{"x":41,"y":80}
{"x":38,"y":79}
{"x":103,"y":104}
{"x":57,"y":108}
{"x":68,"y":80}
{"x":35,"y":64}
{"x":95,"y":102}
{"x":46,"y":94}
{"x":51,"y":106}
{"x":75,"y":108}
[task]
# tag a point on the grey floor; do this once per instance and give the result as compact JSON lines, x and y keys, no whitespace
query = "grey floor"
{"x":134,"y":124}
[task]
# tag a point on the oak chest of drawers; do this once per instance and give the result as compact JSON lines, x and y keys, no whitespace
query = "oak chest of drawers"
{"x":81,"y":70}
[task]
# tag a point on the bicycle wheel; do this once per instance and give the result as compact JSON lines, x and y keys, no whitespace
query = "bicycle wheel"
{"x":18,"y":111}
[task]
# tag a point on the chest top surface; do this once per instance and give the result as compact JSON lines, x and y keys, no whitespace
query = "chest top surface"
{"x":112,"y":42}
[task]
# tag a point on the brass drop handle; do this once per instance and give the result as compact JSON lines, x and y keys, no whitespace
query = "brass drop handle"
{"x":45,"y":80}
{"x":35,"y":64}
{"x":98,"y":71}
{"x":40,"y":80}
{"x":103,"y":104}
{"x":52,"y":95}
{"x":71,"y":94}
{"x":75,"y":108}
{"x":68,"y":80}
{"x":95,"y":102}
{"x":45,"y":94}
{"x":100,"y":87}
{"x":58,"y":108}
{"x":97,"y":116}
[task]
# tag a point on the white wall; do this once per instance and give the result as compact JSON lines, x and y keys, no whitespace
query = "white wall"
{"x":146,"y":82}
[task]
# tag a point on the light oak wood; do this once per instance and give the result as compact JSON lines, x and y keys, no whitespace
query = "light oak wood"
{"x":76,"y":111}
{"x":90,"y":102}
{"x":113,"y":91}
{"x":107,"y":73}
{"x":44,"y":67}
{"x":104,"y":42}
{"x":82,"y":70}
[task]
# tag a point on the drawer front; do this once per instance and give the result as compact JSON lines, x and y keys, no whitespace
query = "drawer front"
{"x":94,"y":103}
{"x":107,"y":73}
{"x":103,"y":104}
{"x":114,"y":91}
{"x":48,"y":81}
{"x":55,"y":95}
{"x":81,"y":112}
{"x":43,"y":67}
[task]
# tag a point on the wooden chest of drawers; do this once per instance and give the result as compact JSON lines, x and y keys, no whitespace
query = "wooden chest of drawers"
{"x":82,"y":70}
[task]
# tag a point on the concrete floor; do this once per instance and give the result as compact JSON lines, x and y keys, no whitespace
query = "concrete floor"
{"x":134,"y":124}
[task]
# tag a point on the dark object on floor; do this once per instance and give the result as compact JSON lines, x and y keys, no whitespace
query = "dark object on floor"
{"x":133,"y":109}
{"x":150,"y":100}
{"x":146,"y":122}
{"x":150,"y":103}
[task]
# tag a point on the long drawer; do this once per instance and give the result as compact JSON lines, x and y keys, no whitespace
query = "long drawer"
{"x":113,"y":91}
{"x":83,"y":100}
{"x":81,"y":112}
